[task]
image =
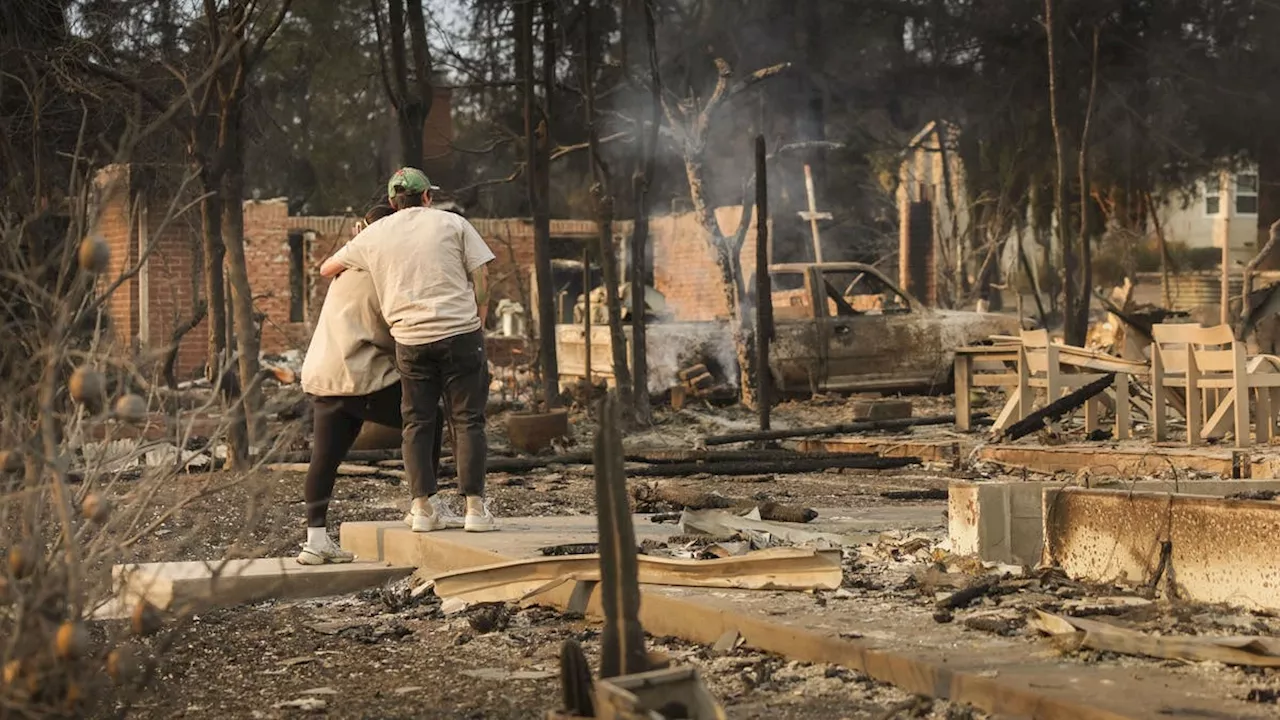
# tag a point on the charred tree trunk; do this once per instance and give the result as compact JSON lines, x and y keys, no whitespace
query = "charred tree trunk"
{"x":214,"y":253}
{"x":1078,"y":329}
{"x":764,"y":289}
{"x":536,"y":131}
{"x":815,"y":116}
{"x":604,"y":216}
{"x":247,"y":343}
{"x":642,"y":15}
{"x":726,"y":250}
{"x":1075,"y":335}
{"x":412,"y":101}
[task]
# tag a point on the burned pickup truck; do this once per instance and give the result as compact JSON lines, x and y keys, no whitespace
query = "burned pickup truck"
{"x":839,"y":327}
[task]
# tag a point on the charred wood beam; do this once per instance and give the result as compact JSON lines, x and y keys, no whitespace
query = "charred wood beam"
{"x":1056,"y":409}
{"x":841,"y":429}
{"x":764,"y":291}
{"x":779,"y":467}
{"x":662,"y":497}
{"x":652,"y":457}
{"x":622,"y":637}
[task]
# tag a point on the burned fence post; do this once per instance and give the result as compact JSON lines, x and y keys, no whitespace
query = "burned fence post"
{"x":764,"y":290}
{"x":622,"y":638}
{"x":586,"y":314}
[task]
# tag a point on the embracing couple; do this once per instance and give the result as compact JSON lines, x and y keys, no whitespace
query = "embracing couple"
{"x":402,"y":329}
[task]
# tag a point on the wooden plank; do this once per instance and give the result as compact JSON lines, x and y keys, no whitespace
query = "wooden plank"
{"x":772,"y":569}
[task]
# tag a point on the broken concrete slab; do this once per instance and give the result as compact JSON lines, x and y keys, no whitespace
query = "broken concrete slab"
{"x":1208,"y":549}
{"x":234,"y":582}
{"x":1004,"y":521}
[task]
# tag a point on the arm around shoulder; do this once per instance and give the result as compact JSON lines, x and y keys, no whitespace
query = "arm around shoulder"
{"x":347,"y":256}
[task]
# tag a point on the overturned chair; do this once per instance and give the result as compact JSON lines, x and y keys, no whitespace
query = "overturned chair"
{"x":1210,"y":369}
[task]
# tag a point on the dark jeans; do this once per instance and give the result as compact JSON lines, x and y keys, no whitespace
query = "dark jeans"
{"x":456,"y":369}
{"x":336,"y":425}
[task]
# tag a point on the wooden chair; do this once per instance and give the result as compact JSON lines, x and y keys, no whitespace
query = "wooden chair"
{"x":1211,"y":367}
{"x":1060,"y":369}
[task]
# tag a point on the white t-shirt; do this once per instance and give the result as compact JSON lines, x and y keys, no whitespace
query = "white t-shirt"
{"x":421,"y":260}
{"x":351,"y":351}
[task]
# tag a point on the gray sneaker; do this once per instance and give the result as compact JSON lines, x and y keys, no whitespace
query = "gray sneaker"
{"x":445,"y":512}
{"x":423,"y":522}
{"x":329,"y":553}
{"x":444,"y":517}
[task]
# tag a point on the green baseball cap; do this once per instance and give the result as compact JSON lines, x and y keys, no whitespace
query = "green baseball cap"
{"x":410,"y":180}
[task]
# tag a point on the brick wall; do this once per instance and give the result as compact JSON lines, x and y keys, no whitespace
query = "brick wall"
{"x":112,"y":187}
{"x":685,"y":269}
{"x":173,"y":280}
{"x":146,"y":309}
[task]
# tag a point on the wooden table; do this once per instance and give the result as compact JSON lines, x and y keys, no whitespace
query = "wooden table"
{"x":997,"y":366}
{"x":991,"y":362}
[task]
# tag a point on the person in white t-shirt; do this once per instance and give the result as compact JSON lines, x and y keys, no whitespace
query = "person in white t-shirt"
{"x":428,"y":267}
{"x":350,"y":374}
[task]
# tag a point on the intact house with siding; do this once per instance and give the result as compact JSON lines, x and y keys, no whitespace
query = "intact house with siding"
{"x":935,"y":216}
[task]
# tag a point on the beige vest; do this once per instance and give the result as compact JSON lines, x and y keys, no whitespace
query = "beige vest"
{"x":351,"y":352}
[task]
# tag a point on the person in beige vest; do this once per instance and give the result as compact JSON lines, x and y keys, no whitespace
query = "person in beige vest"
{"x":350,"y":374}
{"x":429,"y":270}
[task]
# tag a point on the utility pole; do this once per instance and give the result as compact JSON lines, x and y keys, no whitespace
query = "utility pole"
{"x":812,"y":214}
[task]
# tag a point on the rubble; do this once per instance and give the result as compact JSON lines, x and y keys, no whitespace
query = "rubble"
{"x":875,"y":572}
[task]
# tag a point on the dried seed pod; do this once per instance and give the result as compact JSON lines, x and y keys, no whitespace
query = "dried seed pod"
{"x":94,"y":254}
{"x":131,"y":408}
{"x":146,"y":619}
{"x":74,"y":694}
{"x":22,"y":561}
{"x":124,"y":664}
{"x":95,"y":507}
{"x":88,"y":387}
{"x":11,"y":461}
{"x":72,"y":640}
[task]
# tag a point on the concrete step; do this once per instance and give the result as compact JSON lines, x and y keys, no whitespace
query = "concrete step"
{"x":516,"y":538}
{"x":233,"y":582}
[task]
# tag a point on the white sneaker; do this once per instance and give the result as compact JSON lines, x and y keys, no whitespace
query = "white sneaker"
{"x":441,"y":516}
{"x":445,"y":512}
{"x":319,"y":555}
{"x":480,"y":520}
{"x":420,"y":521}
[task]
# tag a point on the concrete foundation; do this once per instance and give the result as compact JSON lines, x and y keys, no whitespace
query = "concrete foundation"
{"x":1004,"y":522}
{"x":997,"y":675}
{"x":233,"y":582}
{"x":1129,"y":460}
{"x":1215,"y":550}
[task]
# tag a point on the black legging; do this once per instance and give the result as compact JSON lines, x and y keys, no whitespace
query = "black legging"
{"x":337,"y":422}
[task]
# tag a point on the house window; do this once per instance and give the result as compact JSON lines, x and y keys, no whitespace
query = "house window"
{"x":1213,"y":196}
{"x":1246,"y":193}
